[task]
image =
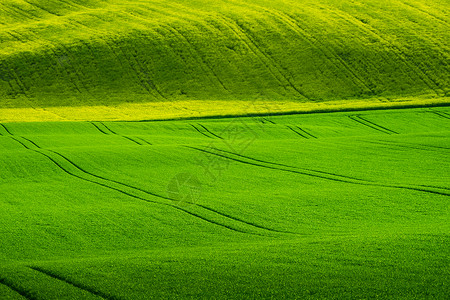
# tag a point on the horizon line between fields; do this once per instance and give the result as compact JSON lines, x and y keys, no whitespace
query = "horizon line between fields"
{"x":296,"y":112}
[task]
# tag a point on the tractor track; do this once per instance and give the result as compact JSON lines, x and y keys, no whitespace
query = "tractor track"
{"x":24,"y":293}
{"x":326,"y":176}
{"x":441,"y":114}
{"x":106,"y":130}
{"x":367,"y":123}
{"x":96,"y":179}
{"x":75,"y":284}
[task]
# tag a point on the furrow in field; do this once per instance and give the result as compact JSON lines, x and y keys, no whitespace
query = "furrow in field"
{"x":20,"y":11}
{"x":306,"y":132}
{"x":244,"y":39}
{"x":435,"y":186}
{"x":106,"y":183}
{"x":377,"y":125}
{"x":445,"y":22}
{"x":361,"y":121}
{"x":77,"y":71}
{"x":159,"y":196}
{"x":116,"y":50}
{"x":324,"y":175}
{"x":65,"y":70}
{"x":198,"y":130}
{"x":209,"y":131}
{"x":243,"y":221}
{"x":141,"y":74}
{"x":123,"y":136}
{"x":98,"y":128}
{"x":132,"y":140}
{"x":147,"y":75}
{"x":270,"y":61}
{"x":43,"y":8}
{"x":80,"y":286}
{"x":288,"y":166}
{"x":296,"y":132}
{"x":390,"y":144}
{"x":143,"y":140}
{"x":205,"y":66}
{"x":441,"y":114}
{"x":269,"y":121}
{"x":6,"y":130}
{"x":328,"y":53}
{"x":24,"y":293}
{"x":398,"y":52}
{"x":22,"y":88}
{"x":262,"y":164}
{"x":120,"y":190}
{"x":106,"y":130}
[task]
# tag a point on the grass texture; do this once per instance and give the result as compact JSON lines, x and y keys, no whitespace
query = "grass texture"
{"x":79,"y":53}
{"x":332,"y":205}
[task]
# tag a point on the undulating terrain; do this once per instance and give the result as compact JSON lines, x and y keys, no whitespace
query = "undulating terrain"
{"x":224,"y":149}
{"x":166,"y":56}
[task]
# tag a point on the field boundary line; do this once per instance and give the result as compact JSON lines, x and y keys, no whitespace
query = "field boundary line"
{"x":298,"y":112}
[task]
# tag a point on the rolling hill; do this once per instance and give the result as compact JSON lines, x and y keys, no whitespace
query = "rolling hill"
{"x":224,"y":149}
{"x":188,"y":58}
{"x":322,"y":206}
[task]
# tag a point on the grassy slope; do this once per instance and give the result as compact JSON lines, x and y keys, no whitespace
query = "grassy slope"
{"x":358,"y":207}
{"x":84,"y":53}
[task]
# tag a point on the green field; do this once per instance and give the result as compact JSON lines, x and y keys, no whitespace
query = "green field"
{"x":338,"y":205}
{"x":224,"y":149}
{"x":121,"y":55}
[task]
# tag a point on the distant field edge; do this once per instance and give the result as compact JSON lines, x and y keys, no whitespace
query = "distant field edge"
{"x":188,"y":110}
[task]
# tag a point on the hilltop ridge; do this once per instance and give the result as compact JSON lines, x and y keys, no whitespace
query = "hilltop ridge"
{"x":104,"y":53}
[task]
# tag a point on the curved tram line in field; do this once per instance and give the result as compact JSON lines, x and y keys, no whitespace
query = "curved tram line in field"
{"x":70,"y":168}
{"x":301,"y":132}
{"x":370,"y":124}
{"x":314,"y":173}
{"x":12,"y":286}
{"x":106,"y":130}
{"x":80,"y":286}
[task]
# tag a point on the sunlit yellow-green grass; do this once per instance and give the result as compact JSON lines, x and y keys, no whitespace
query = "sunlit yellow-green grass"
{"x":108,"y":53}
{"x":332,"y":205}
